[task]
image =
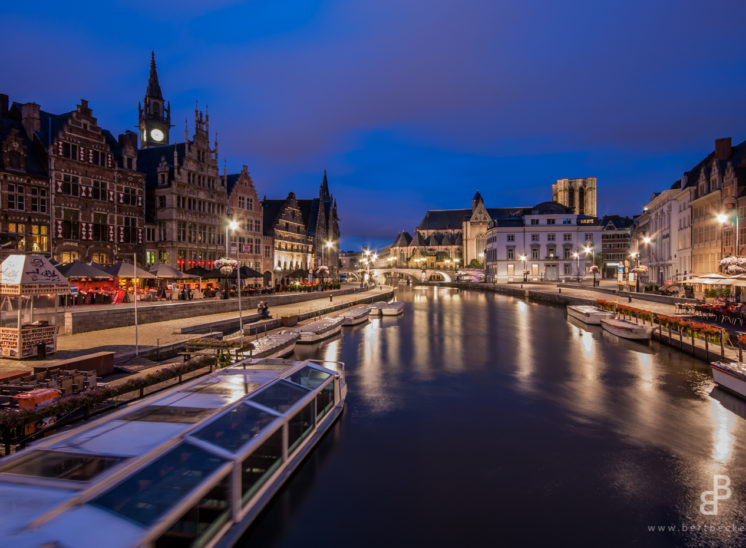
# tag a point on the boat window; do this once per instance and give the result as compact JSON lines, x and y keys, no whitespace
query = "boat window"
{"x":61,"y":465}
{"x":279,"y":396}
{"x":260,"y":465}
{"x":168,"y":413}
{"x":202,"y":521}
{"x":233,"y":429}
{"x":310,"y":377}
{"x":148,"y":494}
{"x":324,"y":401}
{"x":299,"y":426}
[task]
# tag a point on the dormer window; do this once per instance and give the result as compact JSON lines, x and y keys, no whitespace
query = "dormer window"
{"x":14,"y":160}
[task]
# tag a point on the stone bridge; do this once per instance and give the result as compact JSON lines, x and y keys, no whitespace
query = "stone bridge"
{"x":387,"y":274}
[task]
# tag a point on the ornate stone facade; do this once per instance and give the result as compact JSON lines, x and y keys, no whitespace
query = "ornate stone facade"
{"x":245,"y":208}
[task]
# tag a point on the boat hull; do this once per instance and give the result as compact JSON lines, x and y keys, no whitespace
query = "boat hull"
{"x":627,"y":330}
{"x":309,"y":337}
{"x":588,"y":314}
{"x":355,"y":320}
{"x":233,"y":534}
{"x":729,"y":380}
{"x":392,"y":310}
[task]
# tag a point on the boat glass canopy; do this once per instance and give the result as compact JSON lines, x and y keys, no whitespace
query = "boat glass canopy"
{"x":235,"y":428}
{"x":280,"y":396}
{"x":149,"y":493}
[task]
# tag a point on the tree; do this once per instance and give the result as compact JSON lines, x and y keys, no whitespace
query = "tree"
{"x":475,"y":264}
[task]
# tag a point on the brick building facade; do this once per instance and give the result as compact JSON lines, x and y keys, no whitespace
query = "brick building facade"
{"x":24,"y":179}
{"x":97,"y":194}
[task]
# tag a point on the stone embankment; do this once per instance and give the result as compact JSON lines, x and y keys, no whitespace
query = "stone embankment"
{"x":725,"y":348}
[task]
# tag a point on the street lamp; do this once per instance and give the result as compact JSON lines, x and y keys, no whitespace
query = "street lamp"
{"x":233,"y":226}
{"x":576,"y":256}
{"x":525,"y":272}
{"x":589,"y":250}
{"x":722,"y":219}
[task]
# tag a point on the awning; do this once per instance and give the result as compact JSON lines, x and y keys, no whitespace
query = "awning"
{"x":31,"y":275}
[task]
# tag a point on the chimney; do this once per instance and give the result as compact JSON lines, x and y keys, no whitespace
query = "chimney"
{"x":722,"y":148}
{"x":30,"y":118}
{"x":3,"y":105}
{"x":128,"y":138}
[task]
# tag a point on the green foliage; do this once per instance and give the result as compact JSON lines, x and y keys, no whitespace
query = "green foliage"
{"x":475,"y":264}
{"x":716,"y":292}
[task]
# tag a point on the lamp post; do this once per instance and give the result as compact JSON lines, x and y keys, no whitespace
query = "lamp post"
{"x":576,"y":256}
{"x":589,"y":250}
{"x":233,"y":226}
{"x":722,"y":219}
{"x":634,"y":255}
{"x":646,"y":240}
{"x":525,"y":272}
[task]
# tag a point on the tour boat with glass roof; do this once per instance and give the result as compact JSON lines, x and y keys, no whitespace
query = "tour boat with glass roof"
{"x":591,"y":315}
{"x":731,"y":376}
{"x":191,"y":466}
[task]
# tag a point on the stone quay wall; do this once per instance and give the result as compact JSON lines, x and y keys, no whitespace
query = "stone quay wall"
{"x":94,"y":319}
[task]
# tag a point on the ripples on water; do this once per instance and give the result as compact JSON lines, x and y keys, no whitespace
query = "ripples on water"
{"x":483,"y":420}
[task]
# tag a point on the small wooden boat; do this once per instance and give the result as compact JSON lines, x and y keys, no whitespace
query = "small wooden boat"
{"x":375,"y":308}
{"x":731,"y":376}
{"x":588,"y":314}
{"x":275,"y":345}
{"x":355,"y":316}
{"x":319,"y":330}
{"x":392,"y":309}
{"x":627,"y":330}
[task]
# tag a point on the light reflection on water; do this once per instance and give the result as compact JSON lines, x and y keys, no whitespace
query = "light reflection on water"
{"x":474,"y":414}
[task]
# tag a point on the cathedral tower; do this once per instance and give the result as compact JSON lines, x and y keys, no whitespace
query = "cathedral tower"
{"x":154,"y":114}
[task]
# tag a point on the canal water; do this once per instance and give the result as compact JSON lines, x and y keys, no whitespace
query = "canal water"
{"x":483,"y":420}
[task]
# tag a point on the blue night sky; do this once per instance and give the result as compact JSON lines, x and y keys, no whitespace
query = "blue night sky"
{"x":409,"y":104}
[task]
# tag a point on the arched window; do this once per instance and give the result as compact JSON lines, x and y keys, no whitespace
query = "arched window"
{"x":581,"y":200}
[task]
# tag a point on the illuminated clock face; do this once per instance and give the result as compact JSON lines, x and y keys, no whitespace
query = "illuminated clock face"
{"x":156,"y":135}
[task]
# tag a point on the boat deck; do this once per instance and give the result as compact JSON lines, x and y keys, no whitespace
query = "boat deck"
{"x":137,"y":475}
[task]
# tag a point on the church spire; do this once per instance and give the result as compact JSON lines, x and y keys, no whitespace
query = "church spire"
{"x":154,"y":88}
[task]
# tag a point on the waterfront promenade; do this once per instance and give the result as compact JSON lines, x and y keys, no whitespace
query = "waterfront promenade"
{"x":121,"y":340}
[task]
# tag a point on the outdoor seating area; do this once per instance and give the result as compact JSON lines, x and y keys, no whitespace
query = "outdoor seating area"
{"x":721,"y":311}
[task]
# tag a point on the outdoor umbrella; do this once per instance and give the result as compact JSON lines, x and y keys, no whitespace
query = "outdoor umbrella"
{"x":198,"y":271}
{"x":298,"y":274}
{"x":166,"y":272}
{"x":247,"y":273}
{"x":127,"y":270}
{"x":79,"y":269}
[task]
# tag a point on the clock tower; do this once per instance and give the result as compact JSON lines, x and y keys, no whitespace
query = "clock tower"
{"x":154,"y":114}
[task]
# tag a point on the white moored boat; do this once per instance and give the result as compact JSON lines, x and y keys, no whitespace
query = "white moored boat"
{"x":731,"y":376}
{"x":319,"y":330}
{"x":355,"y":316}
{"x":375,"y":308}
{"x":627,"y":330}
{"x":588,"y":314}
{"x":191,"y":466}
{"x":392,"y":309}
{"x":275,"y":345}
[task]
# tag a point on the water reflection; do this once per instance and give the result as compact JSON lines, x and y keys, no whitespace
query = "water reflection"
{"x":550,"y":432}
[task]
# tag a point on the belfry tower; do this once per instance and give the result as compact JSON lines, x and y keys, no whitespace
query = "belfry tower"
{"x":154,"y":114}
